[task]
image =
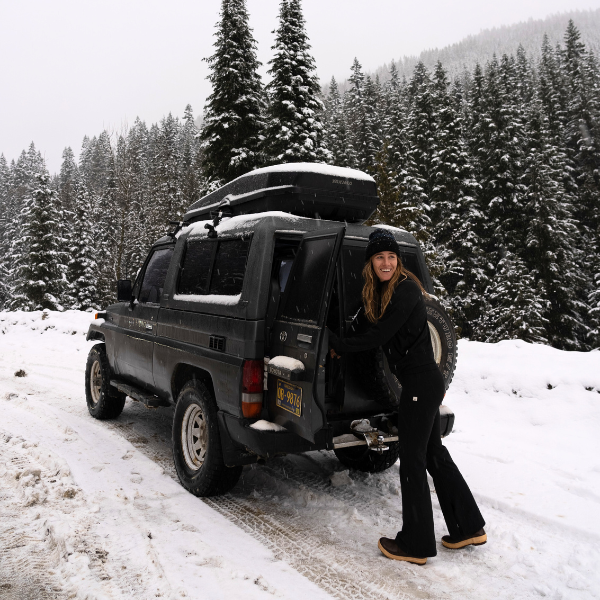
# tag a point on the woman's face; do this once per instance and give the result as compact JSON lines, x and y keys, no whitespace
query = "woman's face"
{"x":384,"y":265}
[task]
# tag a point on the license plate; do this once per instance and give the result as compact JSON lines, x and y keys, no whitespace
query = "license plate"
{"x":289,"y":397}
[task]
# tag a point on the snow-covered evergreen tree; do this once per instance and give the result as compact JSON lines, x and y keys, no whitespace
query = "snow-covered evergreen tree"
{"x":190,"y":160}
{"x":551,"y":249}
{"x":336,"y":128}
{"x":582,"y":132}
{"x":514,"y":309}
{"x":594,"y":312}
{"x":82,"y":264}
{"x":361,"y":112}
{"x":39,"y":273}
{"x":233,"y":126}
{"x":5,"y":217}
{"x":67,"y":180}
{"x":387,"y":190}
{"x":496,"y":140}
{"x":294,"y":130}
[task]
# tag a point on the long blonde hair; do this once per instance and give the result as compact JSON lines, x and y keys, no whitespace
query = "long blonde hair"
{"x":377,"y":295}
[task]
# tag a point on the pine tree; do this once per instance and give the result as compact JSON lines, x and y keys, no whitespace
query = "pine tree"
{"x":233,"y":125}
{"x":416,"y":176}
{"x":294,"y":130}
{"x":67,"y":180}
{"x":551,"y":90}
{"x":455,"y":212}
{"x":496,"y":142}
{"x":336,"y":129}
{"x":551,"y":247}
{"x":515,"y":308}
{"x":468,"y":269}
{"x":5,"y":217}
{"x":82,"y":266}
{"x":139,"y":150}
{"x":354,"y":114}
{"x":594,"y":313}
{"x":389,"y":198}
{"x":190,"y":174}
{"x":40,"y":281}
{"x":582,"y":130}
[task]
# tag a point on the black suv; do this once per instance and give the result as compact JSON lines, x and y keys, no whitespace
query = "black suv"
{"x":228,"y":320}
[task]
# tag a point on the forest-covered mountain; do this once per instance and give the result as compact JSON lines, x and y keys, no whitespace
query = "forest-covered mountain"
{"x":496,"y":172}
{"x":479,"y":48}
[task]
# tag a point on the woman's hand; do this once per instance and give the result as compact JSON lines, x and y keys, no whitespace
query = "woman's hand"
{"x":333,"y":354}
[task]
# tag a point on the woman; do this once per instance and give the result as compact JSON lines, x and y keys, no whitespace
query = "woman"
{"x":393,"y":304}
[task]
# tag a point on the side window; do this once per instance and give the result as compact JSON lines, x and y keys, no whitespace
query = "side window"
{"x":195,"y":272}
{"x":214,"y":267}
{"x":155,"y":275}
{"x":229,"y":268}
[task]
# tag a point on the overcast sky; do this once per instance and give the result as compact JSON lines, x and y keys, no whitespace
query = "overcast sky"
{"x":75,"y":67}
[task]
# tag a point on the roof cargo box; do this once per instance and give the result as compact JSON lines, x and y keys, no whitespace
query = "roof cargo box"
{"x":303,"y":189}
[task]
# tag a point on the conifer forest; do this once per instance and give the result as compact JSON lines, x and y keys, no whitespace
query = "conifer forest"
{"x":496,"y":171}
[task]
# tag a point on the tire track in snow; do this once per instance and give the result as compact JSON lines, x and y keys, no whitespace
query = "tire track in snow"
{"x":46,"y":540}
{"x":27,"y":556}
{"x":328,"y":565}
{"x":332,"y":566}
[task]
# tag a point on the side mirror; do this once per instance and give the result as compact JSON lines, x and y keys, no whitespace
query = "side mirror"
{"x":124,"y":290}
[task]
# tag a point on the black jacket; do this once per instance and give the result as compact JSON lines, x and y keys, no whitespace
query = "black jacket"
{"x":402,"y":332}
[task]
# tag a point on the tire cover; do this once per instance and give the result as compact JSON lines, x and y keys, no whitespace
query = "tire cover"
{"x":443,"y":338}
{"x":382,"y":386}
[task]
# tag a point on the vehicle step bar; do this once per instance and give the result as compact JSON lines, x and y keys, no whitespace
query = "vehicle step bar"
{"x":349,"y":439}
{"x":136,"y":394}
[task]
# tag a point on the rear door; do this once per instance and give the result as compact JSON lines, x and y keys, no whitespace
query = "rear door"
{"x":297,"y":333}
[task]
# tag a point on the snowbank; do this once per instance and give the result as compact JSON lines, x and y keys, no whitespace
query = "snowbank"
{"x":71,"y":322}
{"x":527,"y":425}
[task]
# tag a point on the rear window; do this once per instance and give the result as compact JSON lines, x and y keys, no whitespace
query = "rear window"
{"x":307,"y":281}
{"x":214,"y":267}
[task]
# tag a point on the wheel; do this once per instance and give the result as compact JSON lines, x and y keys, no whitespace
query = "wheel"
{"x":363,"y":459}
{"x":103,"y":401}
{"x":197,"y":444}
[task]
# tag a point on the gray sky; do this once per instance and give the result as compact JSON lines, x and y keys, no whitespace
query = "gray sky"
{"x":75,"y":67}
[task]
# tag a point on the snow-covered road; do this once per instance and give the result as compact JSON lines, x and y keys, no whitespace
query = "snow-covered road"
{"x":93,"y":509}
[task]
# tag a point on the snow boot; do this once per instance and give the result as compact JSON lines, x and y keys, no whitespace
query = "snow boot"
{"x":477,"y":539}
{"x":390,"y":549}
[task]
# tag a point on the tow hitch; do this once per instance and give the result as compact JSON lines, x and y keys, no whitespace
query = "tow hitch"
{"x":363,"y":434}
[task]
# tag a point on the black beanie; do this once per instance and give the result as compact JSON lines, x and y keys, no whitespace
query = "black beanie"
{"x":381,"y":240}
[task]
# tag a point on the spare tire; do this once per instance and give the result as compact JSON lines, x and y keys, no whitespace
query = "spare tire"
{"x":381,"y":385}
{"x":443,"y":339}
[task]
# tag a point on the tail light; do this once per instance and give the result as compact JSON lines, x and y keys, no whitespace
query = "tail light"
{"x":252,"y":388}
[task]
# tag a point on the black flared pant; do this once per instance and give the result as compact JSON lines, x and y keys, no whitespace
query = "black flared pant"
{"x":421,"y":449}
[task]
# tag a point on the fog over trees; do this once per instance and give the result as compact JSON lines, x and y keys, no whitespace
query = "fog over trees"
{"x":495,"y":169}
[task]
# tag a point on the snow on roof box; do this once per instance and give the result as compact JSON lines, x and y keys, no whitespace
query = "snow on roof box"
{"x":303,"y":189}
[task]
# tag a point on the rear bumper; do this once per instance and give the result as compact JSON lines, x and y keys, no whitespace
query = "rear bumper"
{"x":244,"y":445}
